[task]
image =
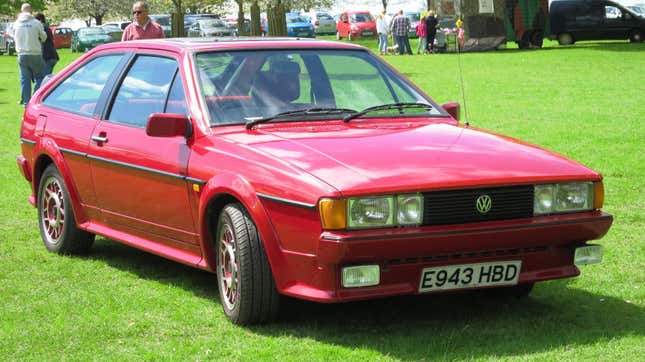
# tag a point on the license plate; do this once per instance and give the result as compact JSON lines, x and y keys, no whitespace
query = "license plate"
{"x":368,"y":33}
{"x":304,"y":33}
{"x":470,"y":275}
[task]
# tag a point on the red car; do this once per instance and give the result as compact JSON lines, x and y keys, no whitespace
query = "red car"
{"x":355,"y":24}
{"x":304,"y":168}
{"x":62,"y":36}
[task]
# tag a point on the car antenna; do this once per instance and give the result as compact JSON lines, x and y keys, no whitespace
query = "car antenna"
{"x":461,"y":77}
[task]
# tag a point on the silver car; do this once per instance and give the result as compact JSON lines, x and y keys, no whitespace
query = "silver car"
{"x":323,"y":22}
{"x":209,"y":27}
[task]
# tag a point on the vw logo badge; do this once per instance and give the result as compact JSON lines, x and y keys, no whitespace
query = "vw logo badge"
{"x":484,"y":204}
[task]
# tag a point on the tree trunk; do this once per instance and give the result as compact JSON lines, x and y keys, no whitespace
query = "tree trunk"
{"x":241,"y":26}
{"x":385,"y":4}
{"x":276,"y":19}
{"x":255,"y":19}
{"x":177,"y":20}
{"x":99,"y":19}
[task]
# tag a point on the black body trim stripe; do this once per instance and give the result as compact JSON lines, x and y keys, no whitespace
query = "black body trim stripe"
{"x":468,"y":231}
{"x":136,"y":167}
{"x":286,"y":201}
{"x":67,"y":150}
{"x":27,"y":141}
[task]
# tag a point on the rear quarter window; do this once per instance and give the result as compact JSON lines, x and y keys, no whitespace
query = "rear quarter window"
{"x":80,"y":92}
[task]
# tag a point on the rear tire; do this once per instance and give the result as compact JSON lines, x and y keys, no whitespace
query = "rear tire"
{"x":246,"y":287}
{"x":636,"y":36}
{"x":565,"y":39}
{"x":56,"y":220}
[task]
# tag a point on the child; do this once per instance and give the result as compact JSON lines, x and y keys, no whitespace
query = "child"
{"x":421,"y":32}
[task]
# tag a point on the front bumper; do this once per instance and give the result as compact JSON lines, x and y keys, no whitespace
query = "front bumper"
{"x":545,"y":245}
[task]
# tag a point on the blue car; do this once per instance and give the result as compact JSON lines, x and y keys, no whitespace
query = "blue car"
{"x":299,"y":26}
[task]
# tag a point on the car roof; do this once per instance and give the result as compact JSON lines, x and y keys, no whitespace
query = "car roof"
{"x":231,"y":43}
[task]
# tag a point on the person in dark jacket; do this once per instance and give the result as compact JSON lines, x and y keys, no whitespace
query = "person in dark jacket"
{"x":50,"y":56}
{"x":431,"y":30}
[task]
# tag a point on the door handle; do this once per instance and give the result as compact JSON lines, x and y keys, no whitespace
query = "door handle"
{"x":100,"y":139}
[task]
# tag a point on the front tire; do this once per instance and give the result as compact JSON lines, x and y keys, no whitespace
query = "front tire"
{"x":636,"y":36}
{"x":565,"y":39}
{"x":246,"y":287}
{"x":56,"y":220}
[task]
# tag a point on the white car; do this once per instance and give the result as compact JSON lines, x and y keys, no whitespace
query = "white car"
{"x":323,"y":22}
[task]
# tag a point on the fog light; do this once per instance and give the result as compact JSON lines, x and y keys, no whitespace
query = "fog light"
{"x":361,"y":276}
{"x":591,"y":254}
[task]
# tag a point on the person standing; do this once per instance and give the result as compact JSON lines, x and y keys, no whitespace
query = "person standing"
{"x":421,"y":33}
{"x":50,"y":56}
{"x":142,"y":27}
{"x":382,"y":30}
{"x":400,"y":27}
{"x":28,"y":34}
{"x":431,"y":30}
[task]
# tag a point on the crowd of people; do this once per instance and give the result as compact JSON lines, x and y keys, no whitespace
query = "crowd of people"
{"x":399,"y":29}
{"x":37,"y":55}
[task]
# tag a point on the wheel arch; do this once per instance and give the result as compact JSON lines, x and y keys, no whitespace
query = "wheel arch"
{"x":222,"y":190}
{"x":47,"y":153}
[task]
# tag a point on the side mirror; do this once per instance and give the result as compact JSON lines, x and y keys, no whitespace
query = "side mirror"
{"x":452,"y":108}
{"x":168,"y":125}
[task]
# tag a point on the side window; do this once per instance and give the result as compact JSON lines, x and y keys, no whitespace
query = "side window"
{"x":80,"y":91}
{"x":176,"y":98}
{"x":143,"y":91}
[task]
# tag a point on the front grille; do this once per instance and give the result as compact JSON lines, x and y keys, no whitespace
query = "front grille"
{"x":459,"y":206}
{"x":498,"y":253}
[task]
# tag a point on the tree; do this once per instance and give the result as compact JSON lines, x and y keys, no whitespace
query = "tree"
{"x":12,"y":7}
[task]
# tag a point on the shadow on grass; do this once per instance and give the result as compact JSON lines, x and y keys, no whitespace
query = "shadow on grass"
{"x":444,"y":326}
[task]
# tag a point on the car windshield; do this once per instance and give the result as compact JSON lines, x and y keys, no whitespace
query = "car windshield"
{"x":361,"y":18}
{"x":296,"y":19}
{"x":323,"y":16}
{"x":161,"y":19}
{"x":412,"y":16}
{"x":244,"y":85}
{"x":211,"y":23}
{"x":92,"y":31}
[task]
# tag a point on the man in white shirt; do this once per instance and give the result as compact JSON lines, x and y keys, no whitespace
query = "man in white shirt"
{"x":29,"y":34}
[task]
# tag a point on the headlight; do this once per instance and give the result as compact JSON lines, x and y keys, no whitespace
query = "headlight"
{"x":368,"y":212}
{"x":409,"y":209}
{"x":563,"y":197}
{"x":371,"y":212}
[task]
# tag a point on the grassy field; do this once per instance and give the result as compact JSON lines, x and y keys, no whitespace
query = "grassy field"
{"x":585,"y":101}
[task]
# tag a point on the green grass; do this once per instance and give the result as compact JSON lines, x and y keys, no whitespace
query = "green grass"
{"x":117,"y":303}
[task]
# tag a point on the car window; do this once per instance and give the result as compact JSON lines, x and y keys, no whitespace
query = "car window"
{"x":144,"y":90}
{"x":80,"y":91}
{"x":176,"y":99}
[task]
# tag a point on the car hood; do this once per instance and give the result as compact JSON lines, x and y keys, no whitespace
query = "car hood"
{"x":404,"y":156}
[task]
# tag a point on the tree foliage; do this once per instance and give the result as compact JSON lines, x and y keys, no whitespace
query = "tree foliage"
{"x":11,"y":8}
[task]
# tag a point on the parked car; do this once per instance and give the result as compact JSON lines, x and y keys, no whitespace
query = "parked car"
{"x":305,"y":168}
{"x":414,"y":21}
{"x":9,"y":44}
{"x":191,"y":19}
{"x":62,"y":36}
{"x":355,"y":24}
{"x":574,"y":20}
{"x":323,"y":22}
{"x":114,"y":31}
{"x":209,"y":27}
{"x":87,"y":38}
{"x":299,"y":26}
{"x":120,"y":24}
{"x":164,"y":21}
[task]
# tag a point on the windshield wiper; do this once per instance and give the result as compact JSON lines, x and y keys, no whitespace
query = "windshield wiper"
{"x":383,"y":107}
{"x":252,"y":121}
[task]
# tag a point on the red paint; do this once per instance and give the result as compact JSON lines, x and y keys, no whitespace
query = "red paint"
{"x":355,"y":29}
{"x":154,"y":192}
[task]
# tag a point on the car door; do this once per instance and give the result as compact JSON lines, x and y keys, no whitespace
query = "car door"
{"x":140,"y":180}
{"x":616,"y":22}
{"x":69,"y":115}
